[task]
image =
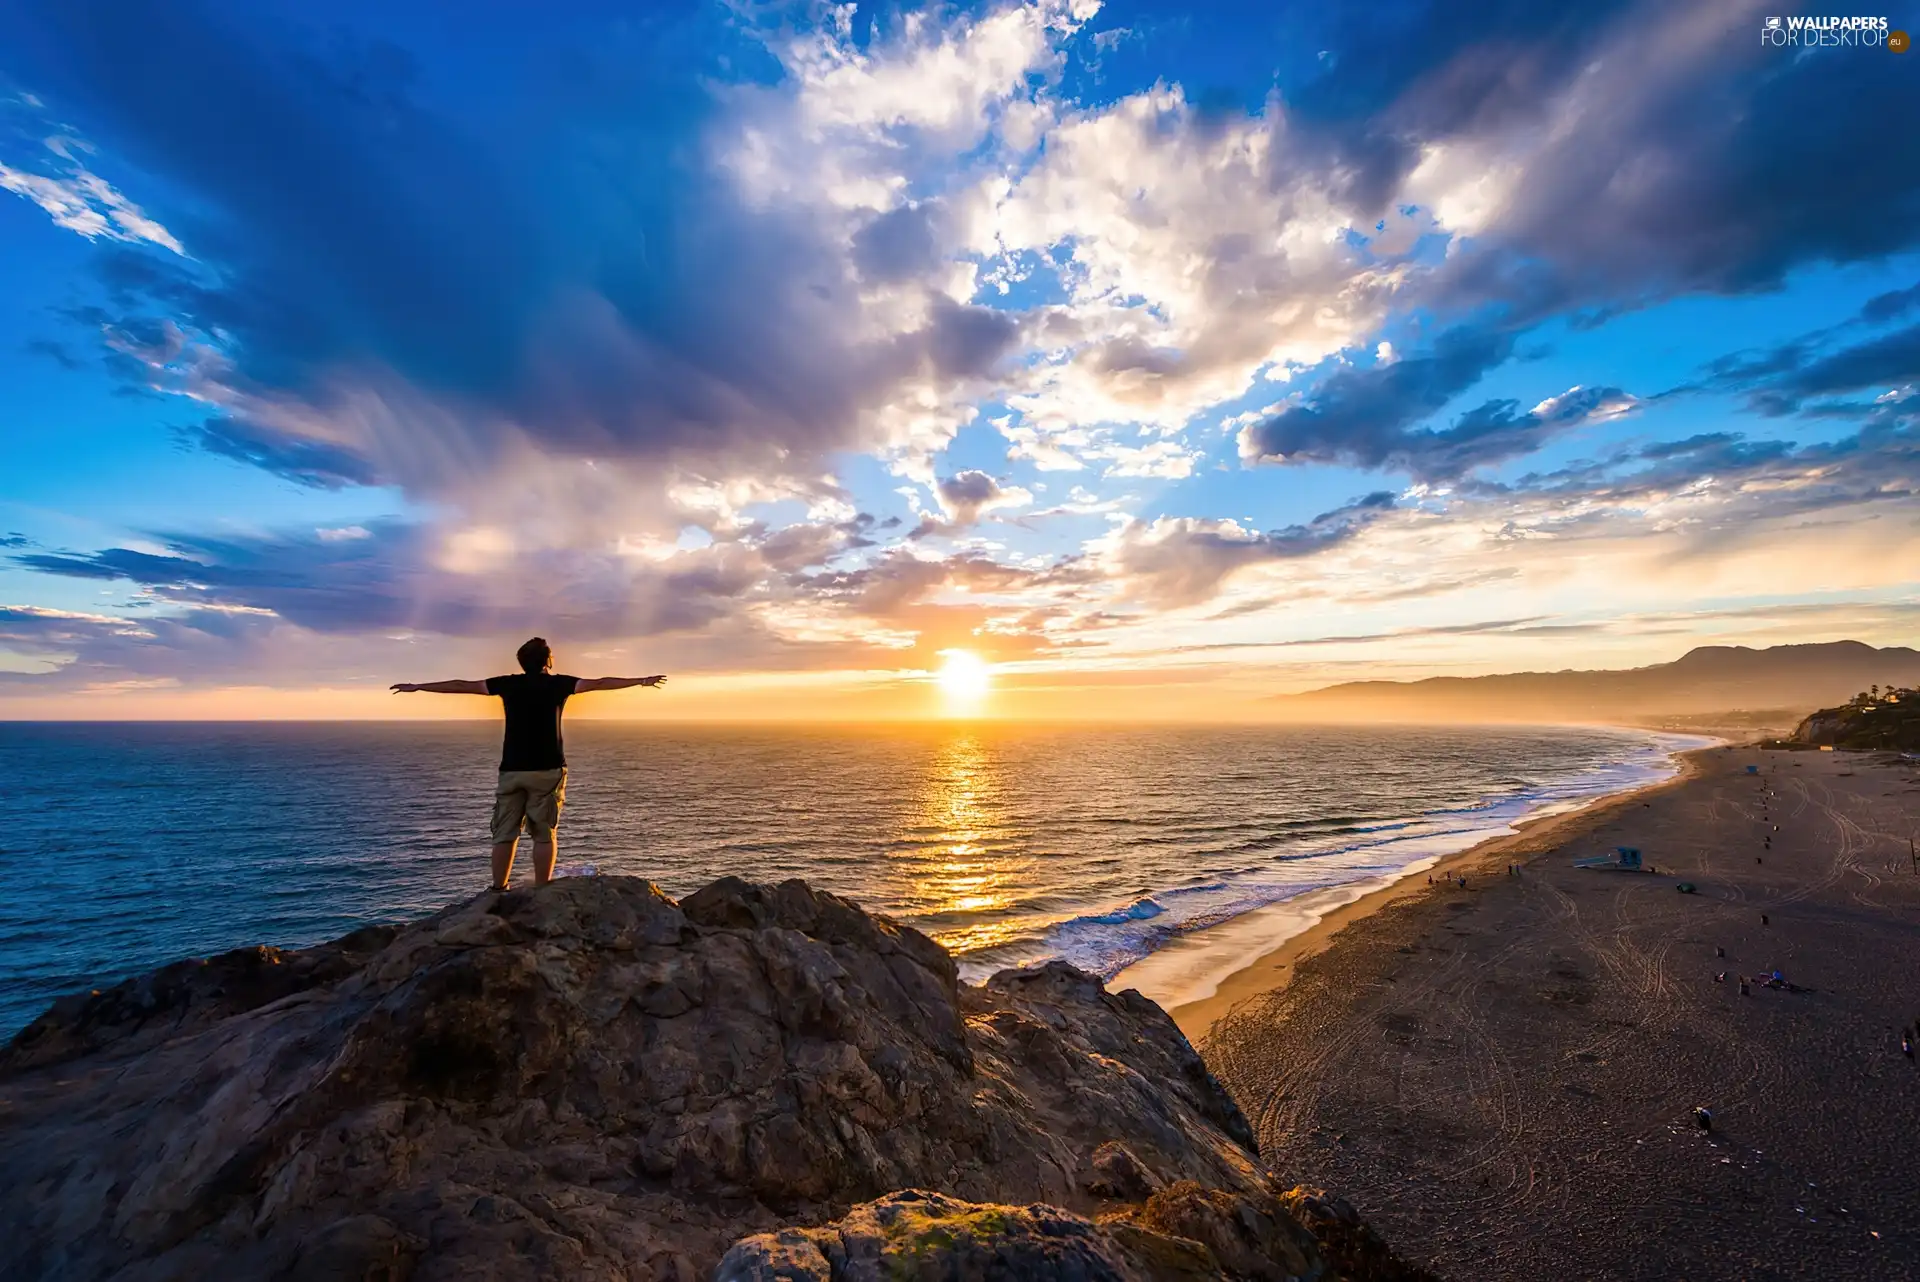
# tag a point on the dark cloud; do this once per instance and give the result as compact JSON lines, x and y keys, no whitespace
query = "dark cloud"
{"x":576,"y":273}
{"x":53,"y":351}
{"x":391,"y":575}
{"x":1686,"y":157}
{"x":1383,"y":54}
{"x":897,"y":245}
{"x":1401,"y":73}
{"x":1882,"y":308}
{"x":965,"y":497}
{"x":1782,"y":380}
{"x":1365,"y":417}
{"x":1690,"y":446}
{"x":1888,"y":361}
{"x":1745,"y":480}
{"x":968,"y":490}
{"x":797,"y":547}
{"x":1717,"y":166}
{"x":1663,"y":149}
{"x":317,"y":464}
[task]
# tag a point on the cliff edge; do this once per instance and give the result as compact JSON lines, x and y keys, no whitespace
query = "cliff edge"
{"x":1887,"y":723}
{"x":592,"y":1081}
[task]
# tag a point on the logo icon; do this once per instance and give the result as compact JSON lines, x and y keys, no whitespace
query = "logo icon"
{"x":1773,"y":24}
{"x":1899,"y":41}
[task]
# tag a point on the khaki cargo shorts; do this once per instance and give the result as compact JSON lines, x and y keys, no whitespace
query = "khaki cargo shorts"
{"x":532,"y":796}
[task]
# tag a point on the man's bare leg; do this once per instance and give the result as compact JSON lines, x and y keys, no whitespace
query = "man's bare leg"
{"x":543,"y":856}
{"x":503,"y":861}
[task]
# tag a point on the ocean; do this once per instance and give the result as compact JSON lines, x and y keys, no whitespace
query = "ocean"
{"x":133,"y":845}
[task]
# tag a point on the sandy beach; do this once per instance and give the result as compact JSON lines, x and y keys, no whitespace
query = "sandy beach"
{"x":1504,"y":1076}
{"x":1199,"y":977}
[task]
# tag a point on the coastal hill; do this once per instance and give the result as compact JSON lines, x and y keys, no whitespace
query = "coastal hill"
{"x":1713,"y":679}
{"x":1885,"y":720}
{"x":593,"y":1081}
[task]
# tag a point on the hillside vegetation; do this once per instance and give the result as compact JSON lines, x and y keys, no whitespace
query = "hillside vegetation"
{"x":1886,"y":720}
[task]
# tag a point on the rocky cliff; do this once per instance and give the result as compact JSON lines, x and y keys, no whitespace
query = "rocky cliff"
{"x":1892,"y":726}
{"x":592,"y":1081}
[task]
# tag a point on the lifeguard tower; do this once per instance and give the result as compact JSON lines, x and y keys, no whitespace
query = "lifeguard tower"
{"x":1626,"y":858}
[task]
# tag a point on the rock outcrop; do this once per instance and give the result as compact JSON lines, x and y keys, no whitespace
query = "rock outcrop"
{"x":592,"y":1081}
{"x":1891,"y":724}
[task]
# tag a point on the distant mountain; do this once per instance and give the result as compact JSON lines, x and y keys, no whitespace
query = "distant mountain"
{"x":1709,"y":679}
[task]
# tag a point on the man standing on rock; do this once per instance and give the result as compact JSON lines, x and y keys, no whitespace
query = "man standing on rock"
{"x":533,"y":764}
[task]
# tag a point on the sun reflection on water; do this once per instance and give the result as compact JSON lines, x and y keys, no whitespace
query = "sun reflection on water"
{"x":957,"y":854}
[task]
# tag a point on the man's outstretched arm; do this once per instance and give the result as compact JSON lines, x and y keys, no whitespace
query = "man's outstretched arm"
{"x":442,"y":687}
{"x":616,"y":683}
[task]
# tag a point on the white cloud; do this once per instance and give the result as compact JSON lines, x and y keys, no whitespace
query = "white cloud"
{"x":948,"y":80}
{"x":81,"y":201}
{"x":1167,"y":459}
{"x":1576,"y":403}
{"x":1196,"y":254}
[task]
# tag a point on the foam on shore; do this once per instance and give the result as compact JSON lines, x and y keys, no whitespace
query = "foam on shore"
{"x":1176,"y":966}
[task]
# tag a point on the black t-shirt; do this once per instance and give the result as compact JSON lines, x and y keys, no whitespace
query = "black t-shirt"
{"x":534,"y":701}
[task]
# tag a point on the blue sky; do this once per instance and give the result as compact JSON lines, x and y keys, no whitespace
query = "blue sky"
{"x":787,"y":346}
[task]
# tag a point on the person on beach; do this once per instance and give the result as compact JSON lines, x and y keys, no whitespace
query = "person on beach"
{"x":533,"y":764}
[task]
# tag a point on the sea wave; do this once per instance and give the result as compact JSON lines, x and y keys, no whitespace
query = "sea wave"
{"x":1108,"y":940}
{"x":1009,"y":843}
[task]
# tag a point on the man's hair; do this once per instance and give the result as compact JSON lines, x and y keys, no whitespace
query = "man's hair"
{"x":534,"y":655}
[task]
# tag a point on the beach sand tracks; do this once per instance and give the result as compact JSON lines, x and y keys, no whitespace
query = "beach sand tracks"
{"x":1504,"y":1077}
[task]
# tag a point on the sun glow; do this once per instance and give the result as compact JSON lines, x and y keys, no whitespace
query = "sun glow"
{"x":964,"y":678}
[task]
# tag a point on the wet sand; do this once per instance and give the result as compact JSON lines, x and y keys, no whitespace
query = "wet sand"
{"x":1200,"y":977}
{"x":1503,"y":1077}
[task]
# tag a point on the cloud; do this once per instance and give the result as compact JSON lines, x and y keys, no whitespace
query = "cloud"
{"x":753,"y":288}
{"x":946,"y":81}
{"x":1364,"y":417}
{"x":1507,"y":626}
{"x":1193,"y":250}
{"x":1677,"y":155}
{"x":1364,"y":414}
{"x":967,"y":496}
{"x":1713,"y":485}
{"x":81,"y":201}
{"x":314,"y":463}
{"x":897,"y":245}
{"x":397,"y":575}
{"x":1197,"y":248}
{"x":1890,"y":360}
{"x":420,"y":303}
{"x":681,"y":268}
{"x":1890,"y":306}
{"x":1182,"y":561}
{"x":1782,"y":379}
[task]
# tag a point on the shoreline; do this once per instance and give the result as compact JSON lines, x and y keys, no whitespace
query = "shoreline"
{"x":1528,"y":1076}
{"x":1198,"y":978}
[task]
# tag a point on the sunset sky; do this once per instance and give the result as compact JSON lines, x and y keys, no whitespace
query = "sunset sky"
{"x":1160,"y":356}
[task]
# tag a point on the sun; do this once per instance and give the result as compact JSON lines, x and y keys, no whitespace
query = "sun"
{"x":964,"y":677}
